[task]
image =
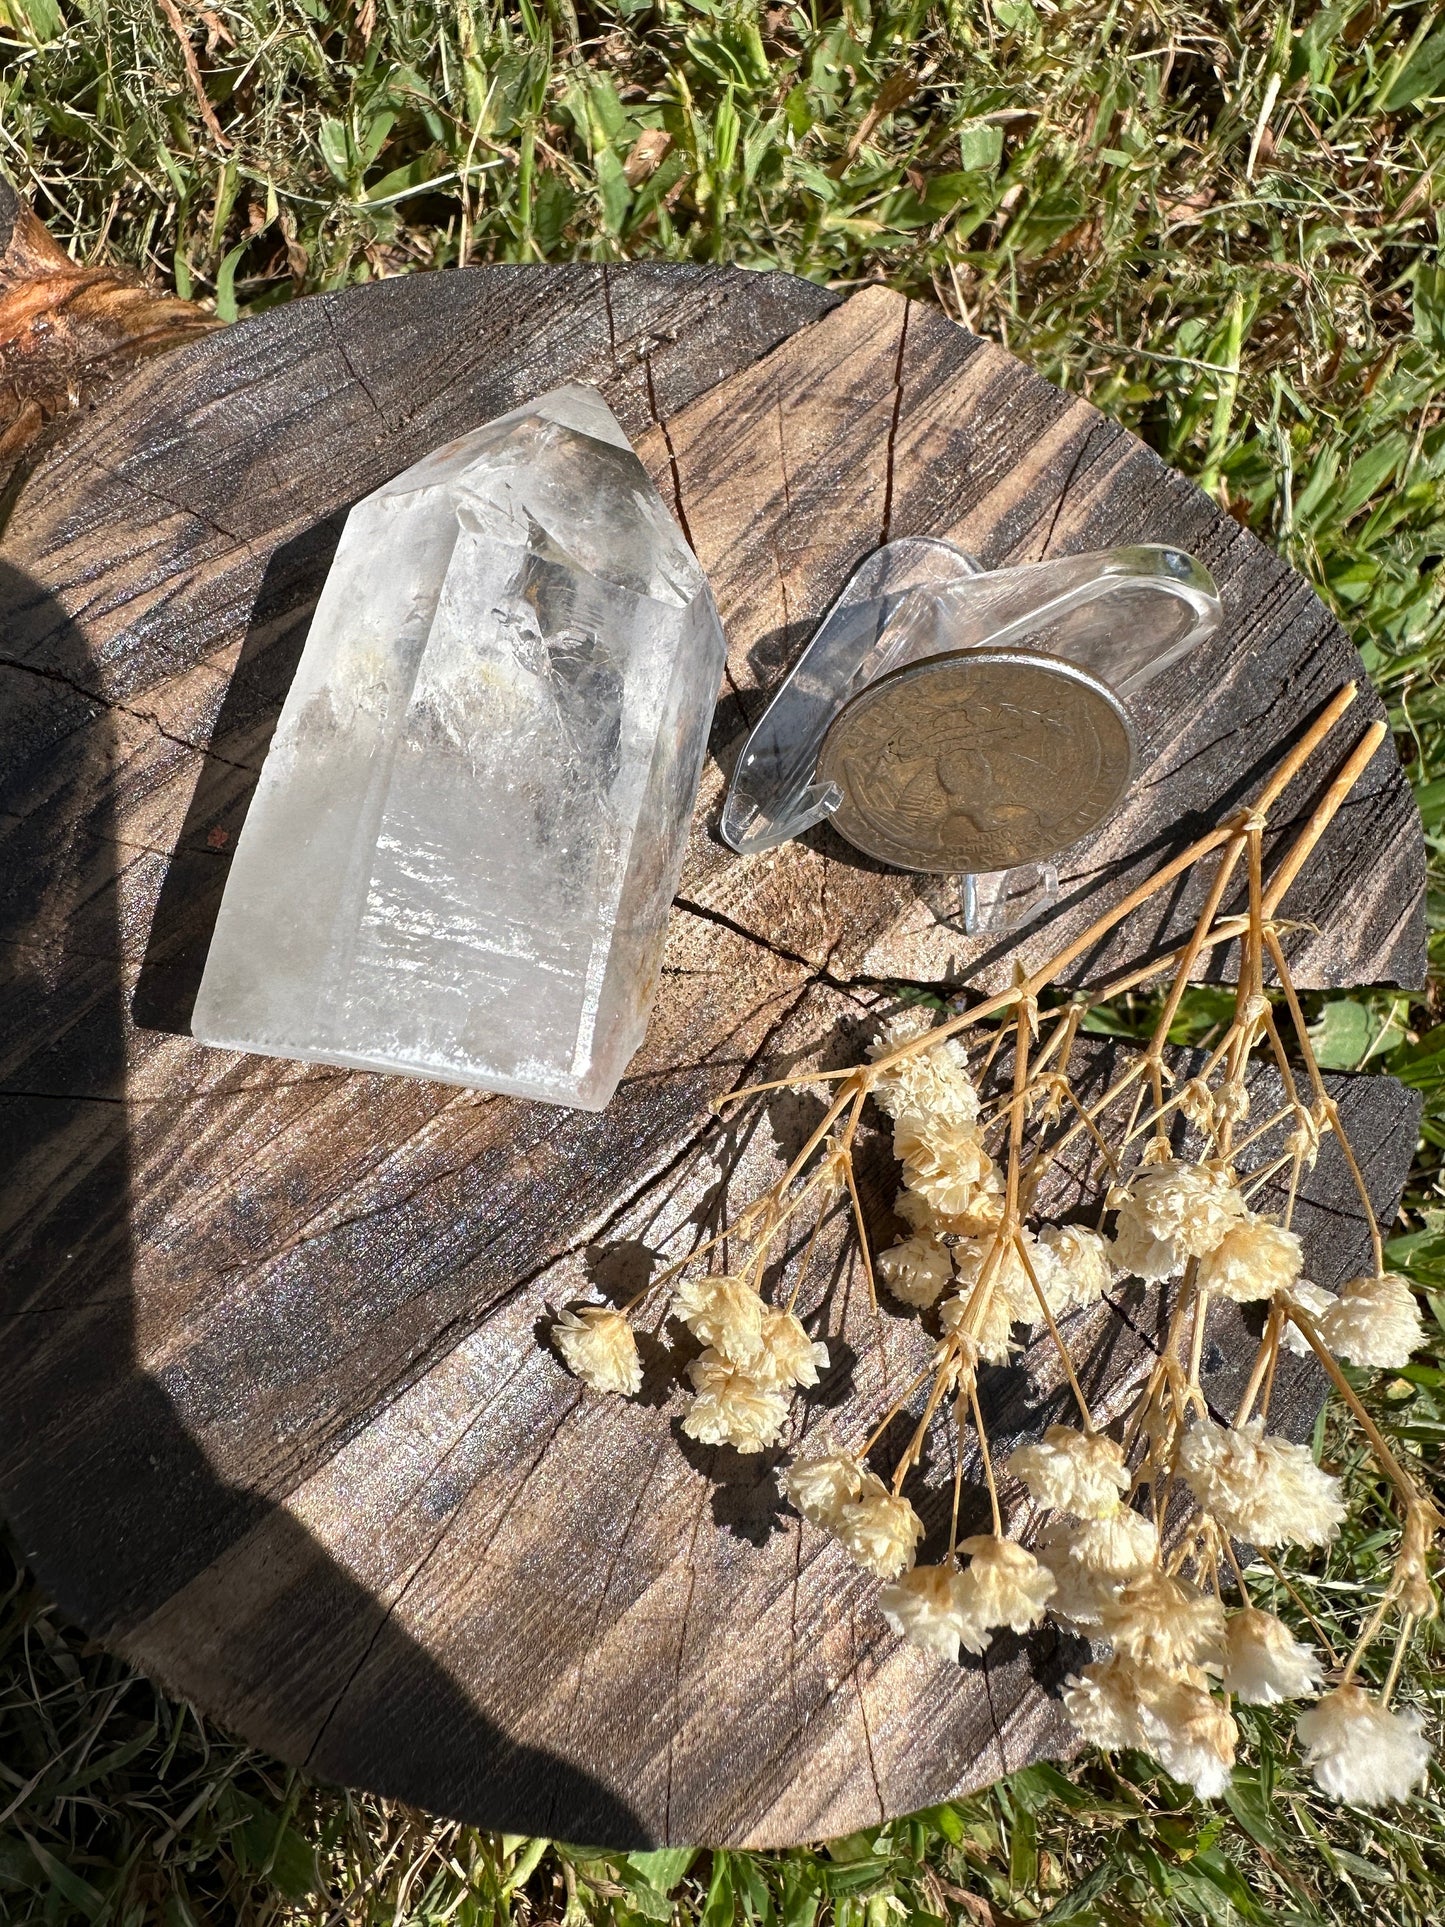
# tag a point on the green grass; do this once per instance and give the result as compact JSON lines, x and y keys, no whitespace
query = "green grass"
{"x":1219,"y":222}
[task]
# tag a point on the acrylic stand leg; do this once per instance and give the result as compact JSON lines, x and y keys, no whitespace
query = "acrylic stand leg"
{"x":878,"y":622}
{"x":1004,"y":900}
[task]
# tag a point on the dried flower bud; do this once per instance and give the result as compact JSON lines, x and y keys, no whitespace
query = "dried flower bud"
{"x":944,"y":1160}
{"x":1313,"y":1299}
{"x":1091,"y":1560}
{"x":1266,"y":1490}
{"x":1303,"y":1141}
{"x":1191,"y":1734}
{"x":1231,"y":1102}
{"x":1264,"y":1663}
{"x":1196,"y":1102}
{"x":725,"y":1313}
{"x":1412,"y":1569}
{"x":731,"y":1408}
{"x":598,"y":1346}
{"x":932,"y":1081}
{"x":918,"y":1270}
{"x":1102,"y":1703}
{"x":1005,"y":1585}
{"x":1254,"y":1259}
{"x":983,"y":1214}
{"x":1171,"y":1213}
{"x":923,"y":1607}
{"x":1375,"y":1322}
{"x":988,"y":1323}
{"x":1117,"y":1702}
{"x":1075,"y":1270}
{"x":1360,"y":1751}
{"x":821,"y":1483}
{"x":1161,"y":1621}
{"x":1073,"y":1472}
{"x":878,"y":1530}
{"x":1007,"y":1275}
{"x":787,"y":1356}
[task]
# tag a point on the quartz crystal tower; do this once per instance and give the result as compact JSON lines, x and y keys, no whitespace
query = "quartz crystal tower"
{"x":461,"y":853}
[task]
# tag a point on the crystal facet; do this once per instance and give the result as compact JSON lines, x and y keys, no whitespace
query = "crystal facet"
{"x":461,"y":853}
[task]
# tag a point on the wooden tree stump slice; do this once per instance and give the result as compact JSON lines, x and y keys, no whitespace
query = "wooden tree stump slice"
{"x":280,"y":1426}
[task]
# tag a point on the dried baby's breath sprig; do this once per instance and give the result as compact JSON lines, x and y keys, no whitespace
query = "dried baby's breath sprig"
{"x":598,"y":1346}
{"x":1263,"y":1661}
{"x":731,"y":1407}
{"x":1374,"y":1322}
{"x":1138,"y":1548}
{"x":924,"y":1607}
{"x":1073,"y":1472}
{"x":1361,"y":1751}
{"x":1266,"y":1491}
{"x":1003,"y":1585}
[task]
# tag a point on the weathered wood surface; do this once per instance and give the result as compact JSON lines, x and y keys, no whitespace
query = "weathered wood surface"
{"x":278,"y":1422}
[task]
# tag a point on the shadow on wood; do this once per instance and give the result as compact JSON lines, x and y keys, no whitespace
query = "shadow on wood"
{"x":190,"y":894}
{"x":116,"y":1462}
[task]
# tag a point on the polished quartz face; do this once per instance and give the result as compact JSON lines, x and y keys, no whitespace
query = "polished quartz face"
{"x":462,"y":850}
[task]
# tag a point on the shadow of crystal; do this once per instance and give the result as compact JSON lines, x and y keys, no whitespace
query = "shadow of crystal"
{"x":190,"y":894}
{"x":124,"y":1519}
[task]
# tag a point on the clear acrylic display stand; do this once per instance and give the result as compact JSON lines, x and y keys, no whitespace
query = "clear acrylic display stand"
{"x":1123,"y":614}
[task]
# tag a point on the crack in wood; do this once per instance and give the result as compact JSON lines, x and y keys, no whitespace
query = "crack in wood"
{"x":1074,"y":467}
{"x":128,"y":480}
{"x":674,"y":471}
{"x":677,"y":1663}
{"x":113,"y":706}
{"x":891,"y":446}
{"x":986,"y":1674}
{"x":422,"y":1565}
{"x":856,"y":1676}
{"x":338,"y":342}
{"x":614,"y":1557}
{"x":612,"y":329}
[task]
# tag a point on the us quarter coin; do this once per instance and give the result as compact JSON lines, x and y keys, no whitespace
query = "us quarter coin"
{"x":977,"y":760}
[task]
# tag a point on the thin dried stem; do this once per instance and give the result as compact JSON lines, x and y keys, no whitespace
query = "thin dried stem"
{"x":1326,"y":1102}
{"x":1269,"y":1344}
{"x":927,"y":1371}
{"x":984,"y":1453}
{"x":1059,"y":1346}
{"x":960,"y":1407}
{"x":1402,"y":1646}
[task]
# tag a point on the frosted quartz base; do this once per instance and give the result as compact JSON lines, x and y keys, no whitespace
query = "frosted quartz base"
{"x":461,"y":854}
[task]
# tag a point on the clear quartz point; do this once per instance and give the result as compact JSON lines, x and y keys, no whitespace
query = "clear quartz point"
{"x":464,"y":844}
{"x":1122,"y":614}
